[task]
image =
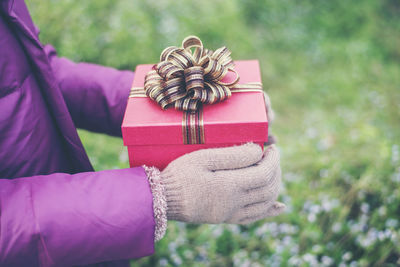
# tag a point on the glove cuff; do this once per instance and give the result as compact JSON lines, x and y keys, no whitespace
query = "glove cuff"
{"x":159,"y":201}
{"x":174,"y":197}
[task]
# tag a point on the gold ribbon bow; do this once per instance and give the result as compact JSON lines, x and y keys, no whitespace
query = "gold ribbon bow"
{"x":185,"y":78}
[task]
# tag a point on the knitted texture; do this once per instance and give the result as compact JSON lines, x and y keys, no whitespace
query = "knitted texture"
{"x":270,"y":111}
{"x":237,"y":184}
{"x":159,"y":201}
{"x":271,"y":117}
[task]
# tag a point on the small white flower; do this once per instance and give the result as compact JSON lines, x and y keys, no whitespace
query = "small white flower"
{"x":382,"y":211}
{"x":176,"y":259}
{"x":311,"y":217}
{"x":294,"y":249}
{"x":317,"y":249}
{"x":315,"y":209}
{"x":347,"y":256}
{"x":163,"y":262}
{"x":324,"y":173}
{"x":365,"y":207}
{"x":311,"y":259}
{"x":188,"y":254}
{"x":381,"y":235}
{"x":295,"y":261}
{"x":396,"y":176}
{"x":336,"y":227}
{"x":327,"y":261}
{"x":395,"y":154}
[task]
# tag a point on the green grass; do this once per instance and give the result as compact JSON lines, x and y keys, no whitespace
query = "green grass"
{"x":332,"y":70}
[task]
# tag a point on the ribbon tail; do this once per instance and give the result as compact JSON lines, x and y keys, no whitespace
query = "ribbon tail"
{"x":193,"y":127}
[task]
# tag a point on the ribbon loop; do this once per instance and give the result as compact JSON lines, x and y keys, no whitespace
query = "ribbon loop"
{"x":185,"y":78}
{"x":194,"y":80}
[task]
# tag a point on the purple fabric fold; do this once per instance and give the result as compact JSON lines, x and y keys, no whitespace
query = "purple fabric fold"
{"x":96,"y":96}
{"x":65,"y":220}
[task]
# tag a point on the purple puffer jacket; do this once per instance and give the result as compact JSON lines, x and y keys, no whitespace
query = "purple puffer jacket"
{"x":54,"y":209}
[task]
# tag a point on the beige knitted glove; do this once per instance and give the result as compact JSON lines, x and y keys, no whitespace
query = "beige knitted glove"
{"x":223,"y":185}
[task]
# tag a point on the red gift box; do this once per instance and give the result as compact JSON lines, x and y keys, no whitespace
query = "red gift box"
{"x":155,"y":137}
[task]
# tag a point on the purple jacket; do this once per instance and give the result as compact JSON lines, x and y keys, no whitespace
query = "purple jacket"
{"x":54,"y":209}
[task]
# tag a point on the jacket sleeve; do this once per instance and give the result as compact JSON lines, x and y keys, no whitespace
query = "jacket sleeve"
{"x":64,"y":220}
{"x":95,"y":95}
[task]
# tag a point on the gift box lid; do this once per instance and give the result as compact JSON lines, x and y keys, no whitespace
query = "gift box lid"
{"x":241,"y":118}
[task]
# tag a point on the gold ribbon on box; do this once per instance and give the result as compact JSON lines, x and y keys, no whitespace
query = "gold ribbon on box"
{"x":186,"y":78}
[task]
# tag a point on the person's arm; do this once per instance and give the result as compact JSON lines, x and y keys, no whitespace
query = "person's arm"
{"x":65,"y":220}
{"x":95,"y":95}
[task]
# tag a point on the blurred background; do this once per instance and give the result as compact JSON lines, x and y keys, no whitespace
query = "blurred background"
{"x":332,"y":70}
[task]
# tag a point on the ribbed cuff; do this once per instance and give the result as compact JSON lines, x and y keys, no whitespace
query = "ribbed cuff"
{"x":173,"y":193}
{"x":159,"y":201}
